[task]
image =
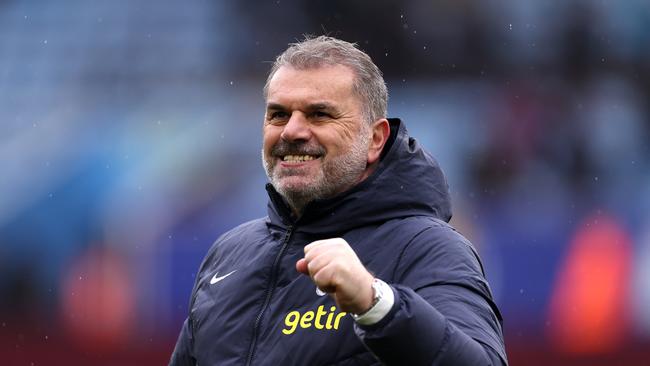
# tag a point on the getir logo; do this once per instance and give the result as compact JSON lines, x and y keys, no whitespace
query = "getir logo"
{"x":319,"y":319}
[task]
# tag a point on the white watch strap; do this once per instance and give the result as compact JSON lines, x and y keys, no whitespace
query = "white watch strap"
{"x":381,"y":308}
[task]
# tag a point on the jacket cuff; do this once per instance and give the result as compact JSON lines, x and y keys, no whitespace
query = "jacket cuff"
{"x":385,"y":320}
{"x":378,"y":311}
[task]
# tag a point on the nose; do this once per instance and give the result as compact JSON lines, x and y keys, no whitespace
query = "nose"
{"x":296,"y":129}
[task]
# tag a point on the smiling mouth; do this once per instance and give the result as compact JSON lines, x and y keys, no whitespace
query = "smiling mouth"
{"x":299,"y":158}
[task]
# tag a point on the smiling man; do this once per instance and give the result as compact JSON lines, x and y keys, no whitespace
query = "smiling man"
{"x":355,"y":263}
{"x":315,"y":144}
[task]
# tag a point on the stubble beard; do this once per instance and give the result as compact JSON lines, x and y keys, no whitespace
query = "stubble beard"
{"x":335,"y":175}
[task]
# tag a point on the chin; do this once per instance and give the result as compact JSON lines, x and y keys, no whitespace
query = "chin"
{"x":294,"y":186}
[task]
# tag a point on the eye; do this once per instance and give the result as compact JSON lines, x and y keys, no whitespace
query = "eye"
{"x":277,"y":115}
{"x":321,"y":114}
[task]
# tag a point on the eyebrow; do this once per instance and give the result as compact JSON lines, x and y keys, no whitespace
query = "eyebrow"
{"x":319,"y":106}
{"x":274,"y":106}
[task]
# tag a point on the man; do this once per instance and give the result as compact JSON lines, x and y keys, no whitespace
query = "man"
{"x":355,"y":263}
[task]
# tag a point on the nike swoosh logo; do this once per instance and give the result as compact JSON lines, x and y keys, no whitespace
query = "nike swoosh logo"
{"x":216,"y":279}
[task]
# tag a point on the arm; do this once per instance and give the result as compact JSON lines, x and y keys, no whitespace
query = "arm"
{"x":443,"y":312}
{"x":182,"y":355}
{"x":416,"y":333}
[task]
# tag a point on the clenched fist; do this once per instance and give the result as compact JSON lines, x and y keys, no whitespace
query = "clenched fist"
{"x":335,"y":268}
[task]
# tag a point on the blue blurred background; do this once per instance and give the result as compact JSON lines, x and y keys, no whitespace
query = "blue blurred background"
{"x":130,"y":136}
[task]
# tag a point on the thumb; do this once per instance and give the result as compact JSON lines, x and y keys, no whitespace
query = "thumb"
{"x":301,"y":266}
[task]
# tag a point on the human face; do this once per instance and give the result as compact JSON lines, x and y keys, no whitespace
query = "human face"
{"x":315,"y":138}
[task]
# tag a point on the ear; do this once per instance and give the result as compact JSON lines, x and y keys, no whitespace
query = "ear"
{"x":380,"y":132}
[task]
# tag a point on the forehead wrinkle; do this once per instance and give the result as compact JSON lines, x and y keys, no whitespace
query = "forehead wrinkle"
{"x":338,"y":79}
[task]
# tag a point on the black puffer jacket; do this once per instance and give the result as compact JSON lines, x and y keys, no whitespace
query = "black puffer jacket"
{"x":250,"y":306}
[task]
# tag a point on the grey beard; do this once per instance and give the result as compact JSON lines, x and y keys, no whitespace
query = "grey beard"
{"x":335,"y":177}
{"x":298,"y":200}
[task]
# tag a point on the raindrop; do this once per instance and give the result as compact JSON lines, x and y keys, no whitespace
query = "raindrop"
{"x":232,"y":82}
{"x":596,"y":179}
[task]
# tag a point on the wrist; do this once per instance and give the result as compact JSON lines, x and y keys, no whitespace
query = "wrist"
{"x":369,"y":299}
{"x":382,"y":301}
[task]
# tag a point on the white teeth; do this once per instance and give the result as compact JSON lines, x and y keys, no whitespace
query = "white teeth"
{"x":298,"y":158}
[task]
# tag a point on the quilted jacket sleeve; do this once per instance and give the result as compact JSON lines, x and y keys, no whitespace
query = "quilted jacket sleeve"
{"x":182,"y":355}
{"x":183,"y":351}
{"x":443,"y":312}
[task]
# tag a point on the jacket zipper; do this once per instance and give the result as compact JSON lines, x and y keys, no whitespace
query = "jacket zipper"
{"x":269,"y":294}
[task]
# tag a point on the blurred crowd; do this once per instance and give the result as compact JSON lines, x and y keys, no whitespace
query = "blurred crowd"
{"x":130,"y":138}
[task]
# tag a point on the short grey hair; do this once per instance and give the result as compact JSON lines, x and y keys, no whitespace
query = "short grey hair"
{"x":315,"y":52}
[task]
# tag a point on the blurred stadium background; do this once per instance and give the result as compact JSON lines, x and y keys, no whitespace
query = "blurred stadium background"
{"x":130,"y":137}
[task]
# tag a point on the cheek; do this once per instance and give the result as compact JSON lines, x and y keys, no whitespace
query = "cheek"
{"x":270,"y":137}
{"x":336,"y":139}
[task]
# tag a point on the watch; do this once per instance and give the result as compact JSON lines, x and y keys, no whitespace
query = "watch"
{"x":382,"y":302}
